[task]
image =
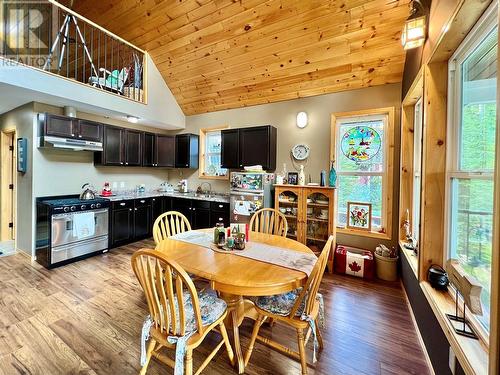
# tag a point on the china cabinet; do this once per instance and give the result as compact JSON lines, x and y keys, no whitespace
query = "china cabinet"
{"x":310,"y":213}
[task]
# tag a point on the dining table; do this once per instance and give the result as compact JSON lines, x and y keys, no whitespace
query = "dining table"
{"x":235,"y":277}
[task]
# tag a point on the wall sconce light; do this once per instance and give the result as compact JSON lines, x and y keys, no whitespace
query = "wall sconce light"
{"x":414,"y":30}
{"x":302,"y":119}
{"x":132,"y":119}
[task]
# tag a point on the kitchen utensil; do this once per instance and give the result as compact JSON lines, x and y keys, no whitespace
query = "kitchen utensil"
{"x":88,"y":192}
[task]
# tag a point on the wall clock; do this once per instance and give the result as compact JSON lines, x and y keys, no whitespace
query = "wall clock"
{"x":300,"y":151}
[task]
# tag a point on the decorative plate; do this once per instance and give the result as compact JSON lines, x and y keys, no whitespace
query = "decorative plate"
{"x":361,"y":143}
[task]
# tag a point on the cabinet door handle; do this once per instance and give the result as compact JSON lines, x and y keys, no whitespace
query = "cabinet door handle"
{"x":126,"y":163}
{"x":122,"y":204}
{"x":135,"y":209}
{"x":72,"y":135}
{"x":121,"y":163}
{"x":194,"y":209}
{"x":187,"y":165}
{"x":142,"y":201}
{"x":130,"y":209}
{"x":220,"y":219}
{"x":79,"y":136}
{"x":153,"y":199}
{"x":220,"y":206}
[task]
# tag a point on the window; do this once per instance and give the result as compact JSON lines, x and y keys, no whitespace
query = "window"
{"x":417,"y":169}
{"x":210,"y":155}
{"x":472,"y":109}
{"x":363,"y":161}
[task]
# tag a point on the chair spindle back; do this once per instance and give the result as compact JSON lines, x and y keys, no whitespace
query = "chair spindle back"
{"x":169,"y":224}
{"x":270,"y":221}
{"x":164,"y":283}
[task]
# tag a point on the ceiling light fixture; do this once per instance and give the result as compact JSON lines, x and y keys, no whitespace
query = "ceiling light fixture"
{"x":414,"y":30}
{"x":132,"y":119}
{"x":302,"y":119}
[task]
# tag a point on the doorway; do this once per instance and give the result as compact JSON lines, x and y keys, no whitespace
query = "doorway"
{"x":7,"y":191}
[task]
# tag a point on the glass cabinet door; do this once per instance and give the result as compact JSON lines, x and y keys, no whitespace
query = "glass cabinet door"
{"x":317,"y":221}
{"x":288,"y":203}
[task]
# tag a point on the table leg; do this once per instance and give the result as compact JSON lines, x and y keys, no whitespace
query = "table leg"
{"x":236,"y":313}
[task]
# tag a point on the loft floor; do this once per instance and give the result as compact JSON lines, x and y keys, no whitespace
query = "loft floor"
{"x":85,"y":318}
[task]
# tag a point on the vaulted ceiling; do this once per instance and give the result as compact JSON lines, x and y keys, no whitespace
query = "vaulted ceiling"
{"x":219,"y":54}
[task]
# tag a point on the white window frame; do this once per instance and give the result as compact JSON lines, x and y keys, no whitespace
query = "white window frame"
{"x":203,"y":156}
{"x":486,"y":24}
{"x":387,"y":116}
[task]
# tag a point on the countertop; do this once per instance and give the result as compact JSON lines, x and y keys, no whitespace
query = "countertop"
{"x":214,"y":197}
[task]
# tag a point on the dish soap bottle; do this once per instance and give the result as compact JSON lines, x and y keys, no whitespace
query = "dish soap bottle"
{"x":332,"y":177}
{"x":302,"y":176}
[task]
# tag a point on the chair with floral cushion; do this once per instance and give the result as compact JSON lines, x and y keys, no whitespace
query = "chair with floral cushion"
{"x":270,"y":221}
{"x":179,"y":316}
{"x":300,"y":309}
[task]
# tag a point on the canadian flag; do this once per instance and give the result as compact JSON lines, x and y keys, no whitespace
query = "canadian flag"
{"x":353,"y":261}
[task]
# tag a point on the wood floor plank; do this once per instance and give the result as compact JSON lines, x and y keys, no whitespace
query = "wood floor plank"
{"x":86,"y":318}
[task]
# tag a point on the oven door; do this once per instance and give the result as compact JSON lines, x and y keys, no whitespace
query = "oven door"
{"x":62,"y":227}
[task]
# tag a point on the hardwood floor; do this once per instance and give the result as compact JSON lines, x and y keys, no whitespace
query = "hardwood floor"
{"x":86,"y":317}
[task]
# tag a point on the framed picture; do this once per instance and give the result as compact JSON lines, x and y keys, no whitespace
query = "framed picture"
{"x":293,"y":178}
{"x":359,"y":216}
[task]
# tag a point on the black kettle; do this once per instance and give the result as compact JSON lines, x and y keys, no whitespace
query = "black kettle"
{"x":437,"y":277}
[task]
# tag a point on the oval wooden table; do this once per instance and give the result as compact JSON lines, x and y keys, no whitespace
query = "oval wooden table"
{"x":235,"y":276}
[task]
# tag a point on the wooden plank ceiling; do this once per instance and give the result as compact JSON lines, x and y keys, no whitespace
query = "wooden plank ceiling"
{"x":220,"y":54}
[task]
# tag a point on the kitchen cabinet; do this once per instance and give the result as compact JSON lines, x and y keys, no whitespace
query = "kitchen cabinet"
{"x":122,"y":223}
{"x":249,"y":146}
{"x":183,"y":206}
{"x":133,"y":148}
{"x":121,"y":147}
{"x":89,"y":131}
{"x":158,"y":150}
{"x":160,"y":205}
{"x":70,"y":127}
{"x":142,"y":218}
{"x":230,"y":145}
{"x":219,"y":213}
{"x":186,"y":151}
{"x":200,"y":214}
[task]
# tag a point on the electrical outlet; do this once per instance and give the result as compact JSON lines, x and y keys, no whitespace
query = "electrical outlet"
{"x":452,"y":361}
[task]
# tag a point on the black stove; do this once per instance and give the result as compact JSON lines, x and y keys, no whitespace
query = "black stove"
{"x":74,"y":204}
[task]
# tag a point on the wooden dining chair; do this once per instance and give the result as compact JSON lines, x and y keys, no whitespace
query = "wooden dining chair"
{"x":299,"y":309}
{"x":179,"y":315}
{"x":270,"y":221}
{"x":169,"y":224}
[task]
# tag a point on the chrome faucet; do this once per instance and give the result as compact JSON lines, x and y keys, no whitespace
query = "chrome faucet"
{"x":200,"y":188}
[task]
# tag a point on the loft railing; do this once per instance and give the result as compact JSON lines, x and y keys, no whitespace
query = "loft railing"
{"x":48,"y":36}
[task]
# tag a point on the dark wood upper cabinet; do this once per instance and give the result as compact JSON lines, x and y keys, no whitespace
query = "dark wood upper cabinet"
{"x":60,"y":126}
{"x":186,"y":151}
{"x":165,"y":146}
{"x":133,"y":148}
{"x":149,"y":158}
{"x":70,"y":127}
{"x":249,"y":146}
{"x":89,"y":131}
{"x":120,"y":147}
{"x":112,"y":153}
{"x":158,"y":150}
{"x":230,"y":148}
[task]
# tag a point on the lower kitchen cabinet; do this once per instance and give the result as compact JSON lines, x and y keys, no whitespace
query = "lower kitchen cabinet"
{"x":132,"y":220}
{"x":122,"y":223}
{"x":143,"y":227}
{"x":200,"y":214}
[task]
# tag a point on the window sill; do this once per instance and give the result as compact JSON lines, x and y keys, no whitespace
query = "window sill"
{"x":472,"y":354}
{"x":206,"y":177}
{"x":410,"y":257}
{"x":363,"y":233}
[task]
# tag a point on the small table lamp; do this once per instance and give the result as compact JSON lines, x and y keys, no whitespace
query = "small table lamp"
{"x":470,"y":290}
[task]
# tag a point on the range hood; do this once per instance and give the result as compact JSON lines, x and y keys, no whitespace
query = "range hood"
{"x":69,"y":144}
